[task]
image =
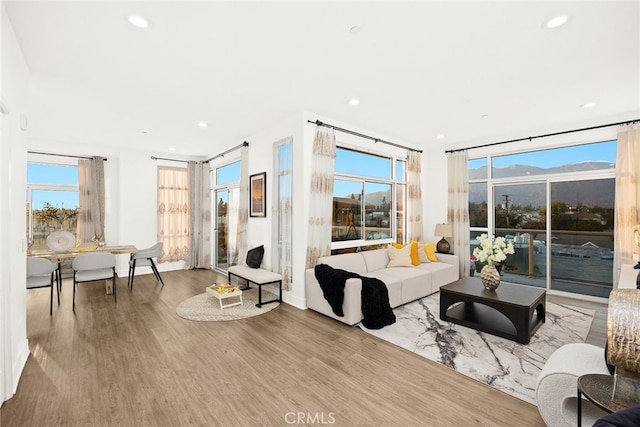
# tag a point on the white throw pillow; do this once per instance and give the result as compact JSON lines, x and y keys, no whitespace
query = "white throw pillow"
{"x":422,"y":254}
{"x":399,"y":257}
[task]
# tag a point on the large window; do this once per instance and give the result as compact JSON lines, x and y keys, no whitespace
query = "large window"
{"x":557,"y":207}
{"x":368,"y":199}
{"x":52,"y":201}
{"x":225,"y":189}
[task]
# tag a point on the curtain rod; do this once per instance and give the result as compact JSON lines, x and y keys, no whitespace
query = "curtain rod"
{"x":244,"y":144}
{"x":319,"y":123}
{"x":63,"y":155}
{"x":544,"y":136}
{"x":171,"y":160}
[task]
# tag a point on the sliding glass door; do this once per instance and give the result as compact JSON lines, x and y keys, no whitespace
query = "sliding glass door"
{"x":225,"y":195}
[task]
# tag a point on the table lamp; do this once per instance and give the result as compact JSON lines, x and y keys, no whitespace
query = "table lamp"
{"x":443,"y":230}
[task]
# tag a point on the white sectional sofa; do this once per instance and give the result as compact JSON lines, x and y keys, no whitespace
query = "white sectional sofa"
{"x":405,"y":284}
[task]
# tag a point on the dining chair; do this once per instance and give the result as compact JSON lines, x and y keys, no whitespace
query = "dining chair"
{"x":40,"y":274}
{"x":92,"y":267}
{"x":144,"y":257}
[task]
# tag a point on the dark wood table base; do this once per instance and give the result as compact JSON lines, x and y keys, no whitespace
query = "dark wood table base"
{"x":512,"y":311}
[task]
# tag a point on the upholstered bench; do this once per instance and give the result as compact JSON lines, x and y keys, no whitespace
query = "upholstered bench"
{"x":259,"y":277}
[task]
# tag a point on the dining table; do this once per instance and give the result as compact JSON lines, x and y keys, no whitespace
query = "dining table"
{"x":79,"y":250}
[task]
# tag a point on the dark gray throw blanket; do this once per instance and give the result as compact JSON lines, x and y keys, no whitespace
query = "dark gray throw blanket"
{"x":376,"y":310}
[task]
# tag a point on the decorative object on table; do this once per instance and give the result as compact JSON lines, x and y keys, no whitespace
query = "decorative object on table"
{"x":443,"y":230}
{"x":623,"y":344}
{"x":490,"y":277}
{"x":61,"y":241}
{"x":500,"y":363}
{"x":225,"y":291}
{"x":204,"y":308}
{"x":492,"y":251}
{"x":258,"y":195}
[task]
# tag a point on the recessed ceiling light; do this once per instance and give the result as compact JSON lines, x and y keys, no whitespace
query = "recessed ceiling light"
{"x":441,"y":136}
{"x":203,"y":125}
{"x":354,"y":101}
{"x":355,"y":29}
{"x":588,"y":105}
{"x":138,"y":21}
{"x":172,"y":148}
{"x":555,"y":22}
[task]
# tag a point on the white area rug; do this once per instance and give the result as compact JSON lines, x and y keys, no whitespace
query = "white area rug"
{"x":206,"y":308}
{"x":501,"y":363}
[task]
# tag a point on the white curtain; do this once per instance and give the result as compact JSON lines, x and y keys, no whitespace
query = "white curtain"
{"x":415,"y":228}
{"x":458,"y":207}
{"x":282,"y":256}
{"x":91,"y":200}
{"x":239,"y":254}
{"x":627,"y":196}
{"x":199,"y":215}
{"x":173,"y":213}
{"x":321,"y":195}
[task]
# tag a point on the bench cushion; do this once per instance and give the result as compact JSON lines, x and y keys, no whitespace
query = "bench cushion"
{"x":255,"y":275}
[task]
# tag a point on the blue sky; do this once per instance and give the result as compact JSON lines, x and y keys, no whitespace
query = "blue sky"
{"x":41,"y":173}
{"x":604,"y":151}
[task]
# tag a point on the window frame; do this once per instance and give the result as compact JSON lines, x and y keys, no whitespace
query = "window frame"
{"x":363,"y":180}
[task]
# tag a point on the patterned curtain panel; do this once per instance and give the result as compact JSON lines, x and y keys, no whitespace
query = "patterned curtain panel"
{"x":414,"y":197}
{"x":321,"y":195}
{"x":173,"y":213}
{"x":627,"y":196}
{"x":199,"y":215}
{"x":282,"y":256}
{"x":91,"y":200}
{"x":239,"y":253}
{"x":458,"y":207}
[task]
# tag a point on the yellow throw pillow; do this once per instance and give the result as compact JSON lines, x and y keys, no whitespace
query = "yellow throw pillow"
{"x":415,"y":258}
{"x":430,"y":249}
{"x":399,"y":257}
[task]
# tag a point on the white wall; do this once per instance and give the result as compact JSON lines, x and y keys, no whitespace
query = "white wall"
{"x":14,"y":347}
{"x":260,"y":230}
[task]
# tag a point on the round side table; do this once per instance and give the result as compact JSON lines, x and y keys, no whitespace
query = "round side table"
{"x":597,"y":388}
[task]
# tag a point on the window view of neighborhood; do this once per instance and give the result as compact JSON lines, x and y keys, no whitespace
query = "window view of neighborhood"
{"x":565,"y":243}
{"x":52,"y":201}
{"x":363,"y":199}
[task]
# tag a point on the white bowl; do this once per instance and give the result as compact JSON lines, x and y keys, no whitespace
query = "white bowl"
{"x":61,"y":241}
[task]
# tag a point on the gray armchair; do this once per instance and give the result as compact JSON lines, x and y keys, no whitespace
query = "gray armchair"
{"x":144,"y":257}
{"x":92,"y":267}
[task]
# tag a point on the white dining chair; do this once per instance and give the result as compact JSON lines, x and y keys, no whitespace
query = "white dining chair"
{"x":92,"y":267}
{"x":144,"y":257}
{"x":40,"y":274}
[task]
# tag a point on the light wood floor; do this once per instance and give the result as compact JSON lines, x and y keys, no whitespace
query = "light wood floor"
{"x":136,"y":363}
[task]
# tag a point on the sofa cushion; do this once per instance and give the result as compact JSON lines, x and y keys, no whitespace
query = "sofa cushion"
{"x":416,"y":282}
{"x":441,"y":273}
{"x":351,"y":262}
{"x":399,"y":257}
{"x":375,"y":259}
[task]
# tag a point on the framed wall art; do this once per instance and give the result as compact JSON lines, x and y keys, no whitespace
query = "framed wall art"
{"x":258,"y":195}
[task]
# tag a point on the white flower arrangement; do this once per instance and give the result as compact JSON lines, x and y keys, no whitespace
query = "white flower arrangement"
{"x":492,"y":251}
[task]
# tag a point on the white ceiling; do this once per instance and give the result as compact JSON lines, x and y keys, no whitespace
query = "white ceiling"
{"x":474,"y":71}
